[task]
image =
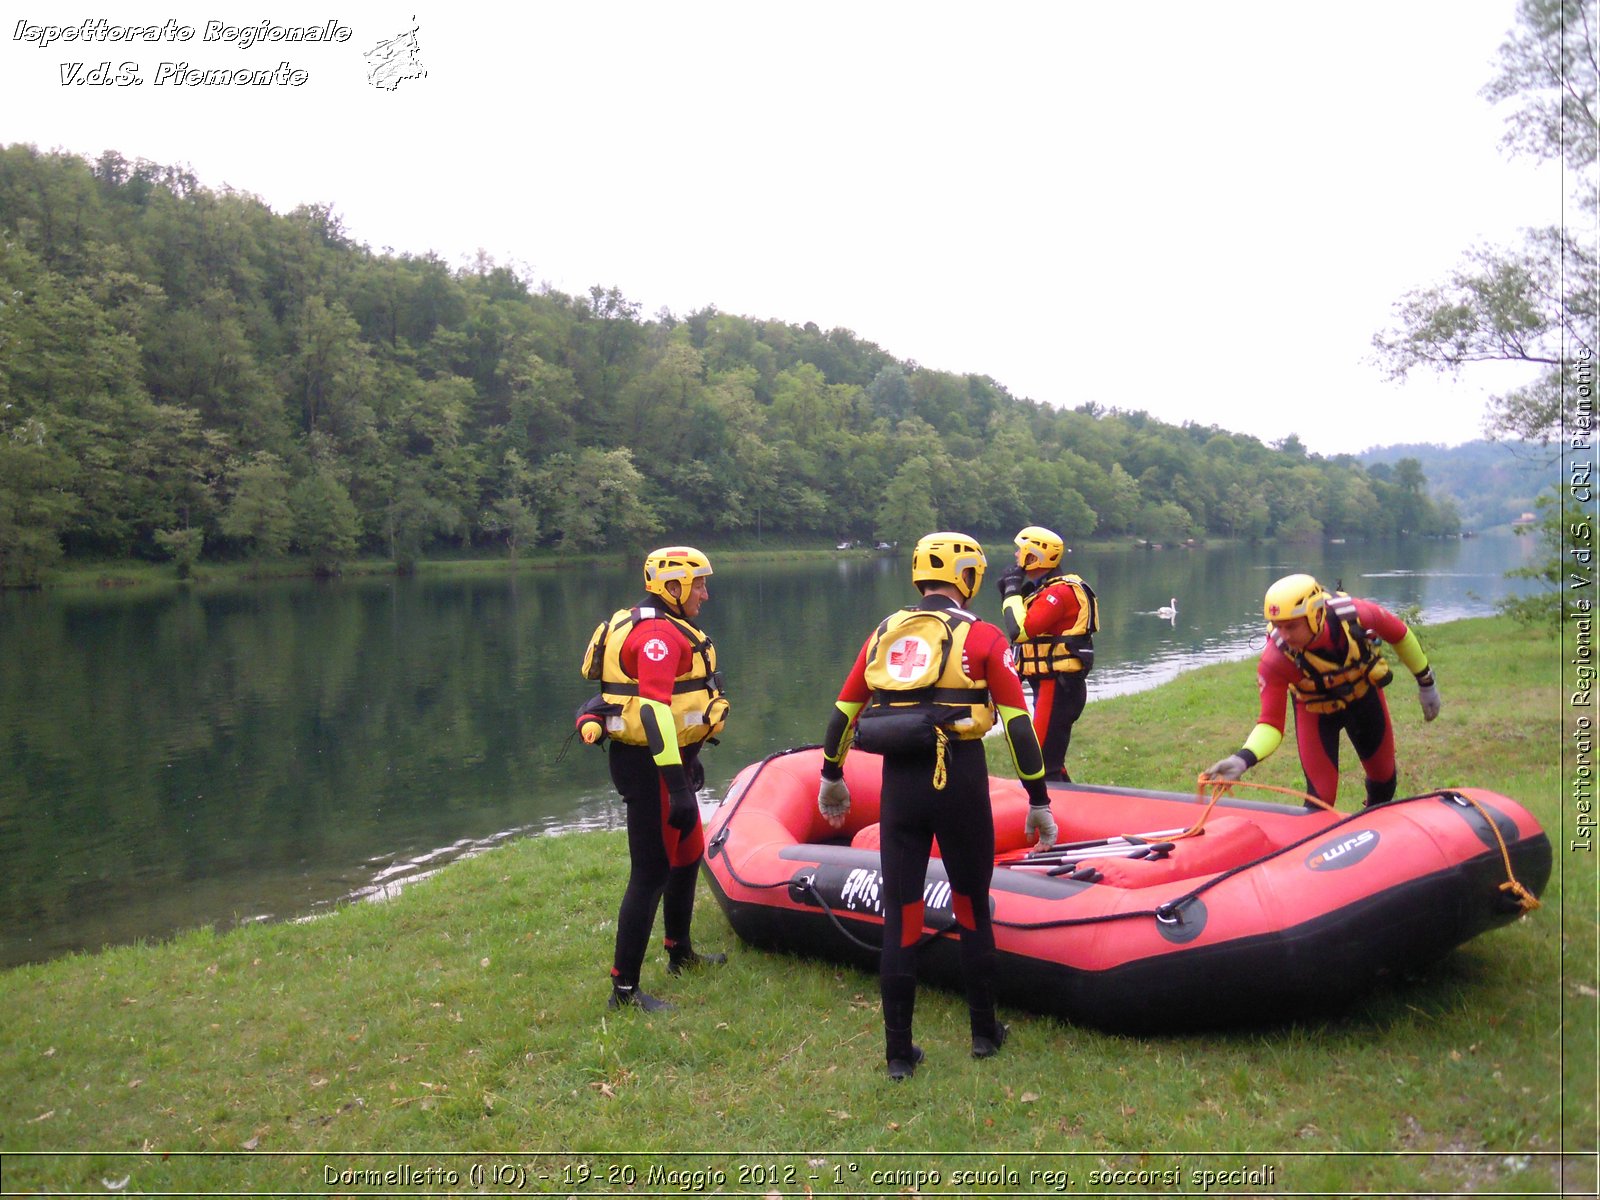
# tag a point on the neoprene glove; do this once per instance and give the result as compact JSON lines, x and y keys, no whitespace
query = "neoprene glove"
{"x":1428,"y":695}
{"x":1229,"y":769}
{"x":1011,"y":581}
{"x":683,"y":810}
{"x":1040,"y":821}
{"x":833,"y":801}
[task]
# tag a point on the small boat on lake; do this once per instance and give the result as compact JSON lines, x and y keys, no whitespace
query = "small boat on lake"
{"x":1155,"y":910}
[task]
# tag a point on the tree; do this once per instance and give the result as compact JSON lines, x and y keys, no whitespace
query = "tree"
{"x":593,"y":499}
{"x":1533,"y":304}
{"x":328,"y":367}
{"x":326,"y":526}
{"x":259,"y":513}
{"x":35,"y":502}
{"x":1410,"y":483}
{"x":544,"y":404}
{"x":165,"y":336}
{"x":908,"y":511}
{"x":183,"y":546}
{"x":1557,"y":537}
{"x":1548,"y":69}
{"x":512,"y":522}
{"x":1118,"y":508}
{"x":411,"y":518}
{"x":1165,"y":521}
{"x":1247,"y":513}
{"x":891,"y":394}
{"x":1051,"y":500}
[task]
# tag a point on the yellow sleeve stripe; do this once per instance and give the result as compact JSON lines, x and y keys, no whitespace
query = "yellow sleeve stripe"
{"x":666,"y":729}
{"x":1411,"y":653}
{"x":1263,"y":740}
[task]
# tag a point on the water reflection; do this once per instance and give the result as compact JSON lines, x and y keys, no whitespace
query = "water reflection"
{"x":1217,"y":596}
{"x":224,"y":755}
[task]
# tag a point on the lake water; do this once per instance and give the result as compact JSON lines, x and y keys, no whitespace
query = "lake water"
{"x":223,"y":755}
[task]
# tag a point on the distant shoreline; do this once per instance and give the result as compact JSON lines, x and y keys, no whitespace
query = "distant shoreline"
{"x":136,"y":573}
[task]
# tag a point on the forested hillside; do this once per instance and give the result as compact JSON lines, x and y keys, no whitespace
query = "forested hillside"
{"x":184,"y":372}
{"x":1490,"y":483}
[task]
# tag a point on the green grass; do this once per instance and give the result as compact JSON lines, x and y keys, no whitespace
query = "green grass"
{"x":463,"y":1024}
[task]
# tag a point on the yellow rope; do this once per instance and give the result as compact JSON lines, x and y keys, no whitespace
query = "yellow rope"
{"x":1526,"y":899}
{"x":1221,"y":787}
{"x":941,"y":774}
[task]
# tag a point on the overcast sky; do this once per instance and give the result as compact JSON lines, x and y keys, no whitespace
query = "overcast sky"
{"x":1202,"y":210}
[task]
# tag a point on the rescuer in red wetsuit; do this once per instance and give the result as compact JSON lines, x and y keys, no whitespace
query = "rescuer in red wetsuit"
{"x":660,"y":700}
{"x":1051,"y":616}
{"x":1322,"y":650}
{"x":923,"y":691}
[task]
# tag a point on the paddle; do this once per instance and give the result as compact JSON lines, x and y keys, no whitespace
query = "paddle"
{"x":1060,"y":849}
{"x":1056,"y":864}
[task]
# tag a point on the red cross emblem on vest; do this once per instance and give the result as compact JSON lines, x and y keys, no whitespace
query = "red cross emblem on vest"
{"x":907,"y":657}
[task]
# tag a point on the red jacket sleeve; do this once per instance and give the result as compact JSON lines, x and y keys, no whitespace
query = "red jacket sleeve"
{"x":1275,"y":674}
{"x":655,"y":654}
{"x":992,"y":664}
{"x":1381,"y":621}
{"x":855,"y":689}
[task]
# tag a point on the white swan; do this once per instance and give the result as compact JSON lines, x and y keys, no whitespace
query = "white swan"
{"x":1169,"y":609}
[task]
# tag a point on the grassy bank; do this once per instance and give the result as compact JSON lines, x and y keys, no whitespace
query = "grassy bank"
{"x":134,"y":573}
{"x":139,"y":573}
{"x":463,"y":1026}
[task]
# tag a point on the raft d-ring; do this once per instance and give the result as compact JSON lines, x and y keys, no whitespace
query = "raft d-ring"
{"x":1168,"y":915}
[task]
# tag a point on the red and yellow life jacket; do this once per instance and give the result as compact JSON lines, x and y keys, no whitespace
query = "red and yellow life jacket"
{"x":1330,"y":685}
{"x":1070,"y":650}
{"x":698,"y":706}
{"x":914,"y":666}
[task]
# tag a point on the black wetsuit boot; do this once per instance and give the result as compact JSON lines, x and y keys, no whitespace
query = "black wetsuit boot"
{"x":899,"y":1007}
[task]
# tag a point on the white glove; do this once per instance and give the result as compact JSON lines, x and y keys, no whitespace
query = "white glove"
{"x":833,"y":801}
{"x":1228,"y":770}
{"x":1428,"y":695}
{"x":1042,"y":822}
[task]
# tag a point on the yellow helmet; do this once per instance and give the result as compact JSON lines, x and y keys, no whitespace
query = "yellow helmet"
{"x":670,"y":564}
{"x":1038,"y":547}
{"x":946,"y":558}
{"x":1296,"y":596}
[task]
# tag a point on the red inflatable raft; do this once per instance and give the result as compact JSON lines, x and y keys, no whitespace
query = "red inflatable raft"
{"x":1155,"y":910}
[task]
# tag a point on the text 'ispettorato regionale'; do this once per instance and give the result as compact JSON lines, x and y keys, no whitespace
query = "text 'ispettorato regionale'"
{"x":98,"y":33}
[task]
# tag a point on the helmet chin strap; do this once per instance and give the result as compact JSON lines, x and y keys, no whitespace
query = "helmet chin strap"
{"x":685,"y":588}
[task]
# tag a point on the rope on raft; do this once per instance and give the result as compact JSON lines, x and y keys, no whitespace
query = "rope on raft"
{"x":1171,"y":911}
{"x":1524,"y":898}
